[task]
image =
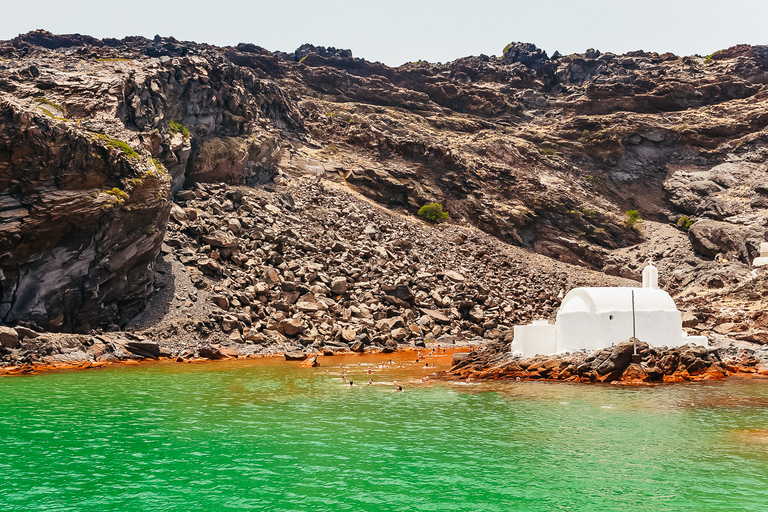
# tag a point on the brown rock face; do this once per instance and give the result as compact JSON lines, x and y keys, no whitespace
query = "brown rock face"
{"x":82,"y":224}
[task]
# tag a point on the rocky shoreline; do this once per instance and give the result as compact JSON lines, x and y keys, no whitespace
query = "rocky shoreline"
{"x":614,"y":365}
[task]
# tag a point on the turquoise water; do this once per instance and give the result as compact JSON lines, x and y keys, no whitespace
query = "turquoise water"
{"x":269,"y":435}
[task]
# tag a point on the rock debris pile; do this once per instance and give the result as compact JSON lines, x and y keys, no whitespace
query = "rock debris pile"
{"x":313,"y":266}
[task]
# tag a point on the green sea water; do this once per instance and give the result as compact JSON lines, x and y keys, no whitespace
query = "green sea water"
{"x":268,"y":435}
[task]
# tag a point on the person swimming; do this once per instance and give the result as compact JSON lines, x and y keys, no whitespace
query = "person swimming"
{"x":351,"y":383}
{"x":399,"y":388}
{"x":370,"y":381}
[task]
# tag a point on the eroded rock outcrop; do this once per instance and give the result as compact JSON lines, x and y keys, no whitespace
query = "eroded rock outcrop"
{"x":82,"y":223}
{"x":611,"y":365}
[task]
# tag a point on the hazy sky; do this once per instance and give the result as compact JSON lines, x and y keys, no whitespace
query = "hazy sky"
{"x":397,"y":31}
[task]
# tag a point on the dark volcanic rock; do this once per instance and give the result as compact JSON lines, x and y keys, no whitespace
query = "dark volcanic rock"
{"x":82,"y":224}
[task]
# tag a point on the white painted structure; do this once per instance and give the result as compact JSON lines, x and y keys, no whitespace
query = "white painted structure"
{"x":596,"y":318}
{"x":761,"y":260}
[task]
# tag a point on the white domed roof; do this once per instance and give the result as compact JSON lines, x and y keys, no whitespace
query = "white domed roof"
{"x":600,"y":300}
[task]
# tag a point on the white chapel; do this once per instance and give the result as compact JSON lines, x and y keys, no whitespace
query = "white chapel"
{"x":596,"y":318}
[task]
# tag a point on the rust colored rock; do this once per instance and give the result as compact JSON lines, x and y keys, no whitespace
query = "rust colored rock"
{"x":714,"y":372}
{"x":634,"y":373}
{"x":312,"y":362}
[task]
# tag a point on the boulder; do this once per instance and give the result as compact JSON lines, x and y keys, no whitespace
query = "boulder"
{"x":312,"y":362}
{"x":339,"y":286}
{"x":295,"y":356}
{"x":9,"y":338}
{"x":25,"y":333}
{"x":292,"y":326}
{"x":616,"y":359}
{"x":221,"y":301}
{"x":436,"y":316}
{"x":144,"y":348}
{"x":711,"y":237}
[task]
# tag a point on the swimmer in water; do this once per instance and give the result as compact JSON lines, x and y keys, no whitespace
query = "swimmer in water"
{"x":343,"y":378}
{"x":351,"y":383}
{"x":370,"y":381}
{"x":399,"y":388}
{"x":370,"y":371}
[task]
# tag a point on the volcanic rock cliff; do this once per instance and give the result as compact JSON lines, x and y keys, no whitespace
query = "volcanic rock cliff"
{"x":97,"y":137}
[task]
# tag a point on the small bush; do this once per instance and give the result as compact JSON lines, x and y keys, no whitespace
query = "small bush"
{"x":121,"y":195}
{"x":547,"y":151}
{"x":46,"y":101}
{"x":632,"y":219}
{"x":684,"y":223}
{"x":54,"y":116}
{"x":175,"y":127}
{"x":160,"y":168}
{"x":117,"y":198}
{"x":433,"y":212}
{"x":117,"y":144}
{"x":710,"y":57}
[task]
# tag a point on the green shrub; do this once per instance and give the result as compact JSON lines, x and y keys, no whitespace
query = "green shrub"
{"x":433,"y":212}
{"x":54,"y":116}
{"x":117,"y":197}
{"x":175,"y":127}
{"x":709,"y":57}
{"x":632,"y":219}
{"x":117,"y":144}
{"x":684,"y":223}
{"x":46,"y":101}
{"x":547,"y":151}
{"x":121,"y":195}
{"x":160,"y":168}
